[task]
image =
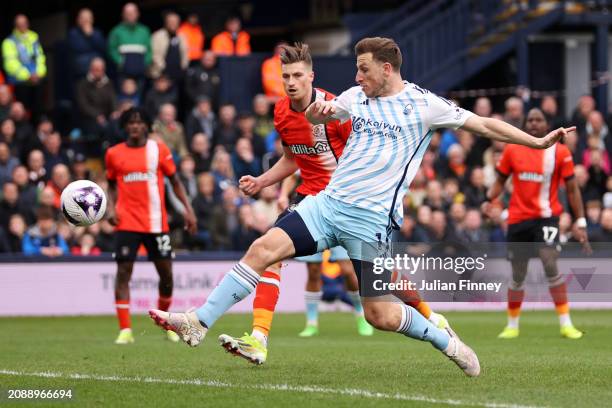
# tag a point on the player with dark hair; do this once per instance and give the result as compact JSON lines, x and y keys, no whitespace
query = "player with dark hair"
{"x":533,"y":217}
{"x":135,"y":170}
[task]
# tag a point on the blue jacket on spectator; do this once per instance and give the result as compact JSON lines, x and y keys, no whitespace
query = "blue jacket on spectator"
{"x":33,"y":241}
{"x":84,"y":48}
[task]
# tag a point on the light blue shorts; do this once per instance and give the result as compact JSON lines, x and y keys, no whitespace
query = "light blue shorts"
{"x":362,"y":232}
{"x":337,"y":254}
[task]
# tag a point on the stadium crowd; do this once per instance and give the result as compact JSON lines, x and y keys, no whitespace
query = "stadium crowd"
{"x":172,"y":74}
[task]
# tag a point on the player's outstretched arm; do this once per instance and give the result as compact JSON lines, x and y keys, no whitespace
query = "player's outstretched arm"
{"x":320,"y":112}
{"x":283,"y":168}
{"x":499,"y":130}
{"x":190,"y":220}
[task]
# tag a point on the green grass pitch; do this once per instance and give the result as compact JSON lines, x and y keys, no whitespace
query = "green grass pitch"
{"x":337,"y":368}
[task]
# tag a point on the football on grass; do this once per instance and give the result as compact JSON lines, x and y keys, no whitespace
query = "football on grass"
{"x":83,"y":203}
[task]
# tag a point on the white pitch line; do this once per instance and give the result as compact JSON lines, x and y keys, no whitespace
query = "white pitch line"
{"x":352,"y":392}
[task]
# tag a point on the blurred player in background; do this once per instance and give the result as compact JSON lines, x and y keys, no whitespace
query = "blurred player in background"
{"x":533,"y":217}
{"x":135,"y":170}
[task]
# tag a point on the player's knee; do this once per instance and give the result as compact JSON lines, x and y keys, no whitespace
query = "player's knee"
{"x":261,"y":252}
{"x":375,"y":315}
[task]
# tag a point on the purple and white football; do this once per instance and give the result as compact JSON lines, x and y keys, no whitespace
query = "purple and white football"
{"x":83,"y":203}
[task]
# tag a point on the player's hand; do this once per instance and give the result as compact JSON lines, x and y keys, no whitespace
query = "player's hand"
{"x":581,"y":236}
{"x":113,"y":218}
{"x":320,"y":111}
{"x":553,"y":137}
{"x":283,"y":202}
{"x":250,"y":185}
{"x":191,"y":224}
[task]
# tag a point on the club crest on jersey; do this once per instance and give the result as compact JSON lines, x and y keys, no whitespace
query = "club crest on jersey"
{"x":408,"y":109}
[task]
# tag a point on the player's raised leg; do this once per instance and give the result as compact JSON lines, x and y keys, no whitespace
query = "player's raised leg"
{"x":237,"y":284}
{"x":558,"y":292}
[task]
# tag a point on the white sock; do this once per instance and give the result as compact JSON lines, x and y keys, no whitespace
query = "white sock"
{"x":312,"y":307}
{"x":513,"y":322}
{"x":263,"y":339}
{"x":565,"y":320}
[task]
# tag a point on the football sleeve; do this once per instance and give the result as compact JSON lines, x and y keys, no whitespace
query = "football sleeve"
{"x":504,"y":165}
{"x":442,"y":113}
{"x":166,"y":162}
{"x":343,"y":103}
{"x":111,"y":173}
{"x":566,"y":163}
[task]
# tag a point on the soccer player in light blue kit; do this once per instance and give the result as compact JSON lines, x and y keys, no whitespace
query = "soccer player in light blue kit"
{"x":393,"y":122}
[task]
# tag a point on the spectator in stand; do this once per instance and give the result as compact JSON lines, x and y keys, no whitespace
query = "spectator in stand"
{"x":16,"y":231}
{"x":169,"y":51}
{"x":232,"y":41}
{"x":9,"y":204}
{"x":269,"y":159}
{"x":79,"y":168}
{"x":246,"y":232}
{"x":194,"y":37}
{"x":593,"y":214}
{"x":605,"y":232}
{"x":188,"y":177}
{"x":514,"y":114}
{"x":586,"y":105}
{"x":456,"y":215}
{"x":264,"y":122}
{"x":201,"y":119}
{"x":171,"y":131}
{"x":582,"y":178}
{"x":225,"y":219}
{"x":200,"y":152}
{"x":451,"y":192}
{"x":435,"y":198}
{"x":128,"y":92}
{"x":222,"y":171}
{"x":25,"y":65}
{"x":36,"y":168}
{"x":596,"y":186}
{"x":482,"y":107}
{"x":267,"y":205}
{"x":551,"y":110}
{"x":203,"y":80}
{"x":472,"y":230}
{"x":6,"y":99}
{"x":594,"y":147}
{"x":246,"y":126}
{"x":43,"y":238}
{"x":86,"y":43}
{"x":475,"y":192}
{"x":60,"y":178}
{"x":87,"y":246}
{"x":24,"y":131}
{"x":203,"y":207}
{"x":8,"y":136}
{"x":244,"y":160}
{"x":129,"y":46}
{"x":96,"y":100}
{"x":596,"y":126}
{"x":454,"y":166}
{"x":271,"y":75}
{"x":7,"y":163}
{"x":161,"y":93}
{"x":53,"y":152}
{"x":226,"y":132}
{"x":28,"y":193}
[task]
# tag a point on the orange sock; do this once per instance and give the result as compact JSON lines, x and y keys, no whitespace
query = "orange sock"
{"x":559,"y":296}
{"x":515,"y":300}
{"x":163,"y":303}
{"x":411,"y":297}
{"x":266,"y":297}
{"x":123,"y":314}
